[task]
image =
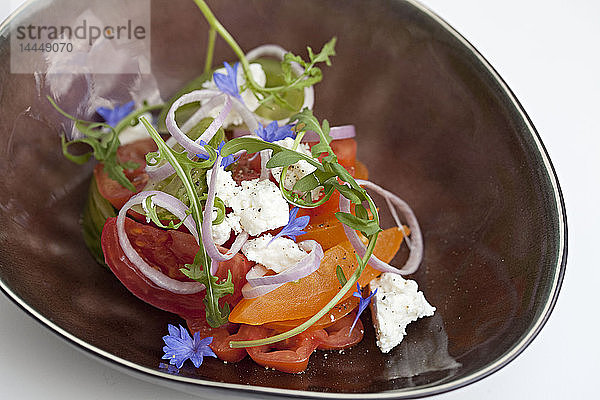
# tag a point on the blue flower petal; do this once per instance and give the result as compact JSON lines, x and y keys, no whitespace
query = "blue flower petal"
{"x":114,"y":116}
{"x":273,"y":132}
{"x":228,"y":83}
{"x":362,"y":304}
{"x":180,"y":346}
{"x":294,"y":226}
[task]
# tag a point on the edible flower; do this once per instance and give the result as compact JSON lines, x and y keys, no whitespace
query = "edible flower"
{"x":294,"y":226}
{"x":273,"y":132}
{"x":362,"y":304}
{"x":226,"y":161}
{"x":114,"y":116}
{"x":180,"y":347}
{"x":228,"y":83}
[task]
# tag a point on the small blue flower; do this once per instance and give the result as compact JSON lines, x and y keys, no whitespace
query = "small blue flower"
{"x":180,"y":347}
{"x":114,"y":116}
{"x":273,"y":132}
{"x":362,"y":303}
{"x":226,"y":161}
{"x":294,"y":226}
{"x":228,"y":83}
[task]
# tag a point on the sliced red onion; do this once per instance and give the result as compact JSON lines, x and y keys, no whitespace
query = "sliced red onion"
{"x":306,"y":266}
{"x":248,"y":116}
{"x":203,"y":112}
{"x":415,"y":245}
{"x":250,"y":292}
{"x":157,"y":174}
{"x":194,"y":147}
{"x":177,"y":208}
{"x":278,"y":52}
{"x":336,"y":132}
{"x":207,"y":238}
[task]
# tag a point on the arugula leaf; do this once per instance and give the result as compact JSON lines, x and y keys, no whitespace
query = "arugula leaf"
{"x":104,"y":142}
{"x":366,"y":226}
{"x":253,"y":145}
{"x":215,"y":314}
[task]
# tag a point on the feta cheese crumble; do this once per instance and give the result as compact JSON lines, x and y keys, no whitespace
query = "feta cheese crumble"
{"x":259,"y":76}
{"x":280,"y":255}
{"x":396,"y":304}
{"x":257,"y":205}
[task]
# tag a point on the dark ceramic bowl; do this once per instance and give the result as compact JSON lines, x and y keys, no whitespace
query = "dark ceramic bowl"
{"x":436,"y":124}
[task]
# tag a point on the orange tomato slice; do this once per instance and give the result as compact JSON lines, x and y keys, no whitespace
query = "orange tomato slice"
{"x":304,"y":298}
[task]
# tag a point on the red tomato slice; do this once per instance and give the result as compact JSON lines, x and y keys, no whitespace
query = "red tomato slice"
{"x":166,"y":251}
{"x":111,"y":190}
{"x":289,"y":356}
{"x":339,"y":336}
{"x":221,"y":338}
{"x":246,"y":168}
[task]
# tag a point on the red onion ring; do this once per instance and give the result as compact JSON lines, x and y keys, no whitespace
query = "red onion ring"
{"x":306,"y":266}
{"x":207,"y":239}
{"x":247,"y":116}
{"x":177,"y":208}
{"x":250,"y":292}
{"x":157,"y":174}
{"x":194,"y":147}
{"x":336,"y":132}
{"x":416,"y":243}
{"x":202,"y":112}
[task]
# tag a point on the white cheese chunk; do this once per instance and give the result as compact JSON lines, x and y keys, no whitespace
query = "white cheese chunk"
{"x":258,"y":206}
{"x":278,"y":256}
{"x":221,"y":232}
{"x":396,"y":304}
{"x":259,"y":76}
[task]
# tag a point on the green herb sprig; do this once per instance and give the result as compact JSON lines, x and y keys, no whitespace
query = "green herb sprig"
{"x":199,"y":270}
{"x":104,"y":142}
{"x":312,"y":73}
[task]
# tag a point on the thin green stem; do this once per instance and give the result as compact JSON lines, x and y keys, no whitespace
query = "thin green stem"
{"x":210,"y":50}
{"x":220,"y":29}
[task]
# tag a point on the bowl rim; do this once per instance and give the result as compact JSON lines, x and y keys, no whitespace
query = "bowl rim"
{"x":195,"y":385}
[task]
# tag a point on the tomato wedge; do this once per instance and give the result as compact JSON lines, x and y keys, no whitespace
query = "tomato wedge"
{"x":221,"y":338}
{"x":339,"y":336}
{"x":289,"y":356}
{"x":111,"y":190}
{"x":167,"y":251}
{"x":304,"y":298}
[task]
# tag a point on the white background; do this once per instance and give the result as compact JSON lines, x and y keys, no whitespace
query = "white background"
{"x":548,"y":53}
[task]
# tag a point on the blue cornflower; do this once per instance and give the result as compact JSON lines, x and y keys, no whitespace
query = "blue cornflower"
{"x":226,"y":161}
{"x":228,"y":83}
{"x":362,"y":303}
{"x":180,"y":347}
{"x":114,"y":116}
{"x":273,"y":132}
{"x":294,"y":226}
{"x":230,"y":159}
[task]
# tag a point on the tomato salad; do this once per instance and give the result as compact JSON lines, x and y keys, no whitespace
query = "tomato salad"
{"x":246,"y":216}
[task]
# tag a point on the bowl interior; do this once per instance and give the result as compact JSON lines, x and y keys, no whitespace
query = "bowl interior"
{"x":434,"y":126}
